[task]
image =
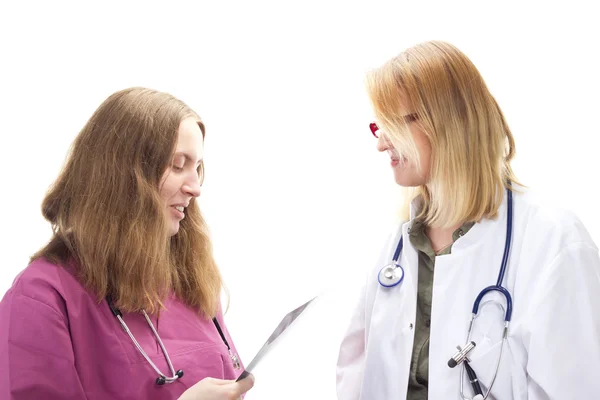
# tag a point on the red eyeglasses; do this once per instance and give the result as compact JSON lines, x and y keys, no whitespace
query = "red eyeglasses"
{"x":374,"y":129}
{"x":407,"y":118}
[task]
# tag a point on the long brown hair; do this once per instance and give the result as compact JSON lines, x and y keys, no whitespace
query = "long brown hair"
{"x":107,"y":215}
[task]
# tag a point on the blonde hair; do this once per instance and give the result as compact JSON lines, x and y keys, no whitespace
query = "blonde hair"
{"x":108,"y":217}
{"x":471,"y":143}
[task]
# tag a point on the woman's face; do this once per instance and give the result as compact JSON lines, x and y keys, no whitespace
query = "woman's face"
{"x":181,"y":181}
{"x":407,"y":173}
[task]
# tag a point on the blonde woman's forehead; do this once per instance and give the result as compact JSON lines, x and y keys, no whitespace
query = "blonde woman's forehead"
{"x":404,"y":105}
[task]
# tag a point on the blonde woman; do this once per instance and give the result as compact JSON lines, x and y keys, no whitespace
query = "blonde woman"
{"x":124,"y":301}
{"x":472,"y":230}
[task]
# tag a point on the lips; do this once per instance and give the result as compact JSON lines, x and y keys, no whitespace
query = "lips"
{"x":178,"y":211}
{"x":395,"y":161}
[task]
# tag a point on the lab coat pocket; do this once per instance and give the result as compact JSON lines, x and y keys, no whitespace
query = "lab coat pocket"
{"x":488,"y":331}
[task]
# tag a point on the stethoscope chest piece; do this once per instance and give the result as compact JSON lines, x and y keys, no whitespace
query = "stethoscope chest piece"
{"x":391,"y":275}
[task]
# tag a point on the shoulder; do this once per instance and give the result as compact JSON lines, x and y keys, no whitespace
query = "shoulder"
{"x":554,"y":225}
{"x":553,"y":247}
{"x":45,"y":283}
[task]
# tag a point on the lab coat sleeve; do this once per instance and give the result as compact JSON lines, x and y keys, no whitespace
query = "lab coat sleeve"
{"x":351,"y":359}
{"x":38,"y":352}
{"x":562,"y":334}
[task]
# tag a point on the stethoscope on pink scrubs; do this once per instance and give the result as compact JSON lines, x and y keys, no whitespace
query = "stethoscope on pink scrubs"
{"x":162,"y":378}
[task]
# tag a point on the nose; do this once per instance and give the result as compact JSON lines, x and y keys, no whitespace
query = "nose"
{"x":192,"y":187}
{"x":382,"y":143}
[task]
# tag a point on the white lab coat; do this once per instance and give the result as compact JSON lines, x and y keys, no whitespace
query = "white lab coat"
{"x":553,"y":347}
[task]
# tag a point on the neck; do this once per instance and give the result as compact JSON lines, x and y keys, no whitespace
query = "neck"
{"x":441,"y":237}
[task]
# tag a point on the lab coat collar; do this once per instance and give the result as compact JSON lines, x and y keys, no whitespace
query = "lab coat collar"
{"x":477,"y":232}
{"x":415,"y":206}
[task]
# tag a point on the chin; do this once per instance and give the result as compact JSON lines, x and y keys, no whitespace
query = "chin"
{"x":174,"y":229}
{"x":406,"y":180}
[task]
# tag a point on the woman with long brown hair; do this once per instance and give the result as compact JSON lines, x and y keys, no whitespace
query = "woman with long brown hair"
{"x":124,"y":300}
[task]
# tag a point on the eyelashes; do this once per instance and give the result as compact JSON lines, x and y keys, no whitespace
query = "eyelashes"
{"x":178,"y":168}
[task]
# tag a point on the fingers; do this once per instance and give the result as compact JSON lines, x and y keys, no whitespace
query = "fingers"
{"x":244,"y":385}
{"x":218,"y":382}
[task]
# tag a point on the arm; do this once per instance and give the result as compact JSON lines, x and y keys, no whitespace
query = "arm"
{"x":351,"y":359}
{"x":562,"y":334}
{"x":37,"y":351}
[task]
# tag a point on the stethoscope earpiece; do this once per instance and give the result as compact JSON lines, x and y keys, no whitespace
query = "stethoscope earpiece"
{"x":161,"y":380}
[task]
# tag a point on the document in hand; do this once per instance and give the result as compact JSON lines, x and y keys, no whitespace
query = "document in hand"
{"x":283,"y":325}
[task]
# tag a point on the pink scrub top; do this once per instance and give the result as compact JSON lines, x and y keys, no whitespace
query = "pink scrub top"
{"x":56,"y":342}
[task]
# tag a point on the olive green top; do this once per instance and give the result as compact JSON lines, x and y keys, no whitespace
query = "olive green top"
{"x":419,"y":365}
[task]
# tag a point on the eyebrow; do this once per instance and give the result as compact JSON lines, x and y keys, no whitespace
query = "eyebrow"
{"x":410,"y":117}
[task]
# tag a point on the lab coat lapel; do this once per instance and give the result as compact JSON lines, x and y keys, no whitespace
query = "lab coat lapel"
{"x":391,"y":334}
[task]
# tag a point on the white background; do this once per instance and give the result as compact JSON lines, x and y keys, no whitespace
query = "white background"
{"x":298,"y":200}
